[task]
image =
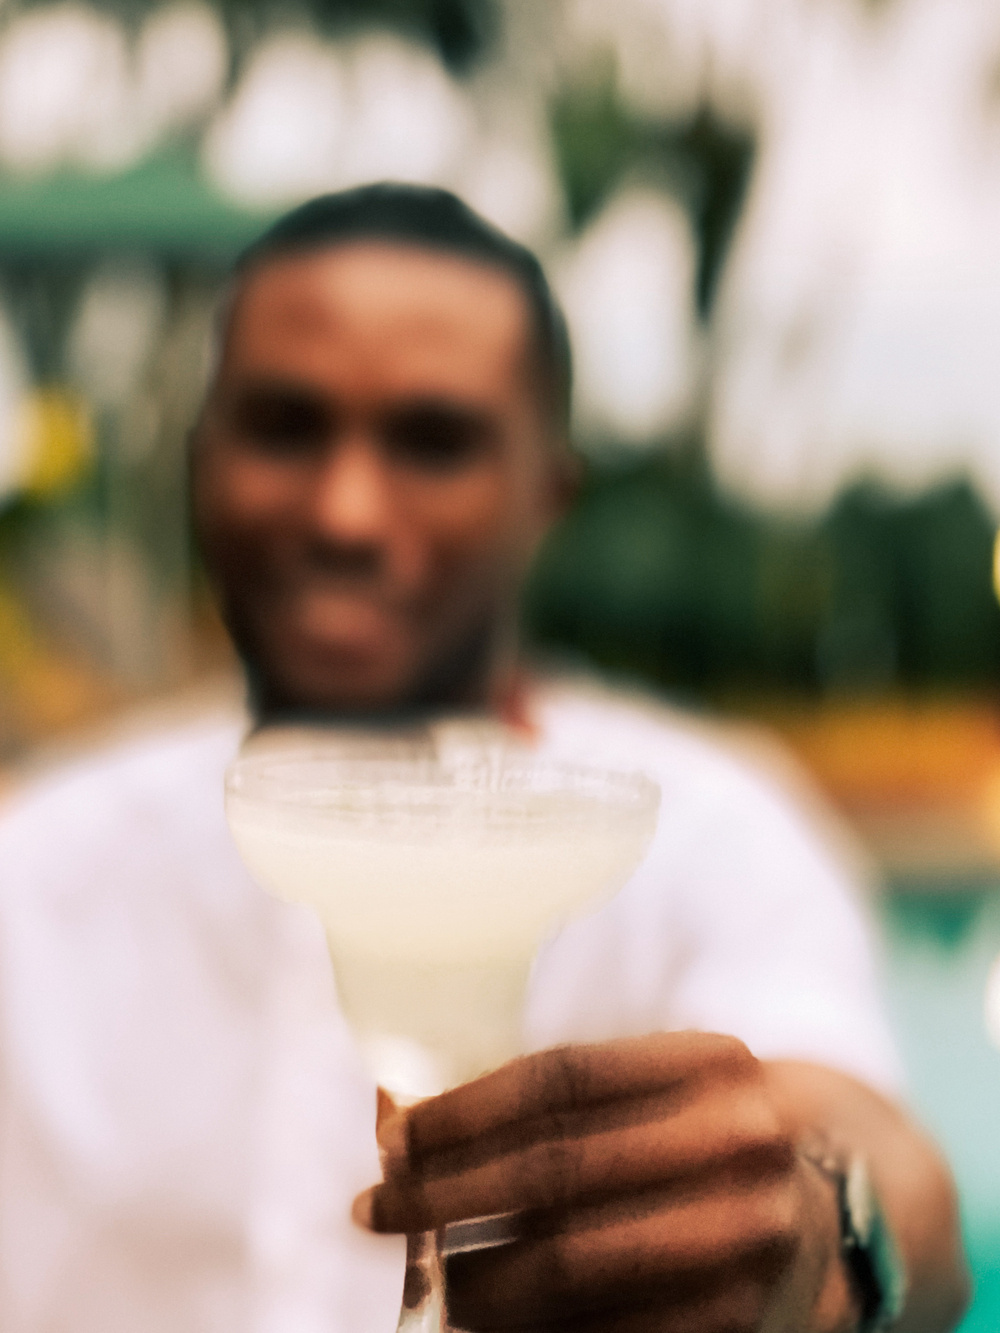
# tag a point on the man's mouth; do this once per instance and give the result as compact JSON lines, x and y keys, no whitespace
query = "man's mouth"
{"x":347,"y":621}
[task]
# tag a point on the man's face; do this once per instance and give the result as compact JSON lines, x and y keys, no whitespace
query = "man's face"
{"x":372,"y":474}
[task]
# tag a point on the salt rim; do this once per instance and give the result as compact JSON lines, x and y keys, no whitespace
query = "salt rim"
{"x":486,"y":791}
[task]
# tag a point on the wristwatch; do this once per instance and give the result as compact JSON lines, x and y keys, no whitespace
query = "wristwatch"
{"x":870,"y":1252}
{"x":874,"y":1265}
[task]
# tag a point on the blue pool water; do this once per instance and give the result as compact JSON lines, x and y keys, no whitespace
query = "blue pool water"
{"x":939,"y":946}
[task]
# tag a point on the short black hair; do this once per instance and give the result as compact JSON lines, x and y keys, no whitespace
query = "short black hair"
{"x":434,"y":219}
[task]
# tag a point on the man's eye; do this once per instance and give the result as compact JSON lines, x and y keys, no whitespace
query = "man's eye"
{"x":435,"y":438}
{"x":281,"y":423}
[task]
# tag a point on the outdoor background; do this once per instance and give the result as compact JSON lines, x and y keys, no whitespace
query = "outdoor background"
{"x":775,"y":225}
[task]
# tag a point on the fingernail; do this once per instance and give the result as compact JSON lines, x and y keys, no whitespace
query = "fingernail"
{"x":363,"y":1210}
{"x":391,"y":1132}
{"x":384,"y":1106}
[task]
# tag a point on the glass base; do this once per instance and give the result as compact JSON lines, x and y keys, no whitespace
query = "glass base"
{"x":424,"y":1307}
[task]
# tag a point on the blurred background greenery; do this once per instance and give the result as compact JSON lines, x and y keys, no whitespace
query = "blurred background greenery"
{"x":776,"y":230}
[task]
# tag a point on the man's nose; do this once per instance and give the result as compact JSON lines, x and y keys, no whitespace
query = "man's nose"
{"x":352,"y":504}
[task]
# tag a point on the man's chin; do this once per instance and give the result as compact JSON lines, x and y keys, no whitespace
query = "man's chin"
{"x":336,"y":693}
{"x":320,"y":681}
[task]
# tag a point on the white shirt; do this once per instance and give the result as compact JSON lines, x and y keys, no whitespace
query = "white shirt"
{"x":184,"y":1119}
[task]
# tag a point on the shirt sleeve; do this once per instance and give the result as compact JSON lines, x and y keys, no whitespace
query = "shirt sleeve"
{"x":744,"y":917}
{"x":779,"y":949}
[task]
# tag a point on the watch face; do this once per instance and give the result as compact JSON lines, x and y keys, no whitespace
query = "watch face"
{"x":861,"y":1201}
{"x":871,"y":1251}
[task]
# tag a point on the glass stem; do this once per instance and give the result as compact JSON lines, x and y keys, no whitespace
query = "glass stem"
{"x":424,"y":1309}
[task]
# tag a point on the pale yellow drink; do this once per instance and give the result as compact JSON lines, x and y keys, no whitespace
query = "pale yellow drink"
{"x":436,"y":885}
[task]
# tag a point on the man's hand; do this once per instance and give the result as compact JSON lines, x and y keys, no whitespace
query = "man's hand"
{"x":656,"y":1183}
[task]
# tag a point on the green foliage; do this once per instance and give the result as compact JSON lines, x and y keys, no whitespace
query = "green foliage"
{"x":596,"y":143}
{"x":921,"y":573}
{"x":701,"y":161}
{"x":460,"y":30}
{"x":658,"y":574}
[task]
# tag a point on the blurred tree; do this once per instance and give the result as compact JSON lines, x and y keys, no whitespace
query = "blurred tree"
{"x":913,"y":597}
{"x":657,"y":574}
{"x":460,"y":30}
{"x":701,"y":160}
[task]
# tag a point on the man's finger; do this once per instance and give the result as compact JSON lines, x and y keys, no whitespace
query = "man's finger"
{"x":732,"y":1133}
{"x":677,"y":1255}
{"x":567,"y":1078}
{"x":737,"y":1305}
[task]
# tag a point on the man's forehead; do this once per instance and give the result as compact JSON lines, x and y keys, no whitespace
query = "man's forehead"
{"x":388,"y":304}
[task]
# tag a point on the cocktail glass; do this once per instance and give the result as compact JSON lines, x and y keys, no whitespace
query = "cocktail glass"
{"x":436,"y":878}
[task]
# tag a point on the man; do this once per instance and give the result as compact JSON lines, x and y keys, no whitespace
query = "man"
{"x":186,"y":1124}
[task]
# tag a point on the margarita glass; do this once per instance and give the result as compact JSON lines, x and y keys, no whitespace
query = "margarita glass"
{"x":436,"y":878}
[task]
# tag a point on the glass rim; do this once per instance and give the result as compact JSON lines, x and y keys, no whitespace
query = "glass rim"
{"x":311,"y":782}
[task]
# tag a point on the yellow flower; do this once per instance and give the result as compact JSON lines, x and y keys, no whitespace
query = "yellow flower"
{"x":58,"y":433}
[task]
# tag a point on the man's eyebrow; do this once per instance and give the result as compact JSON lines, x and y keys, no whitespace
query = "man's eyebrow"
{"x":444,"y":404}
{"x":471,"y":420}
